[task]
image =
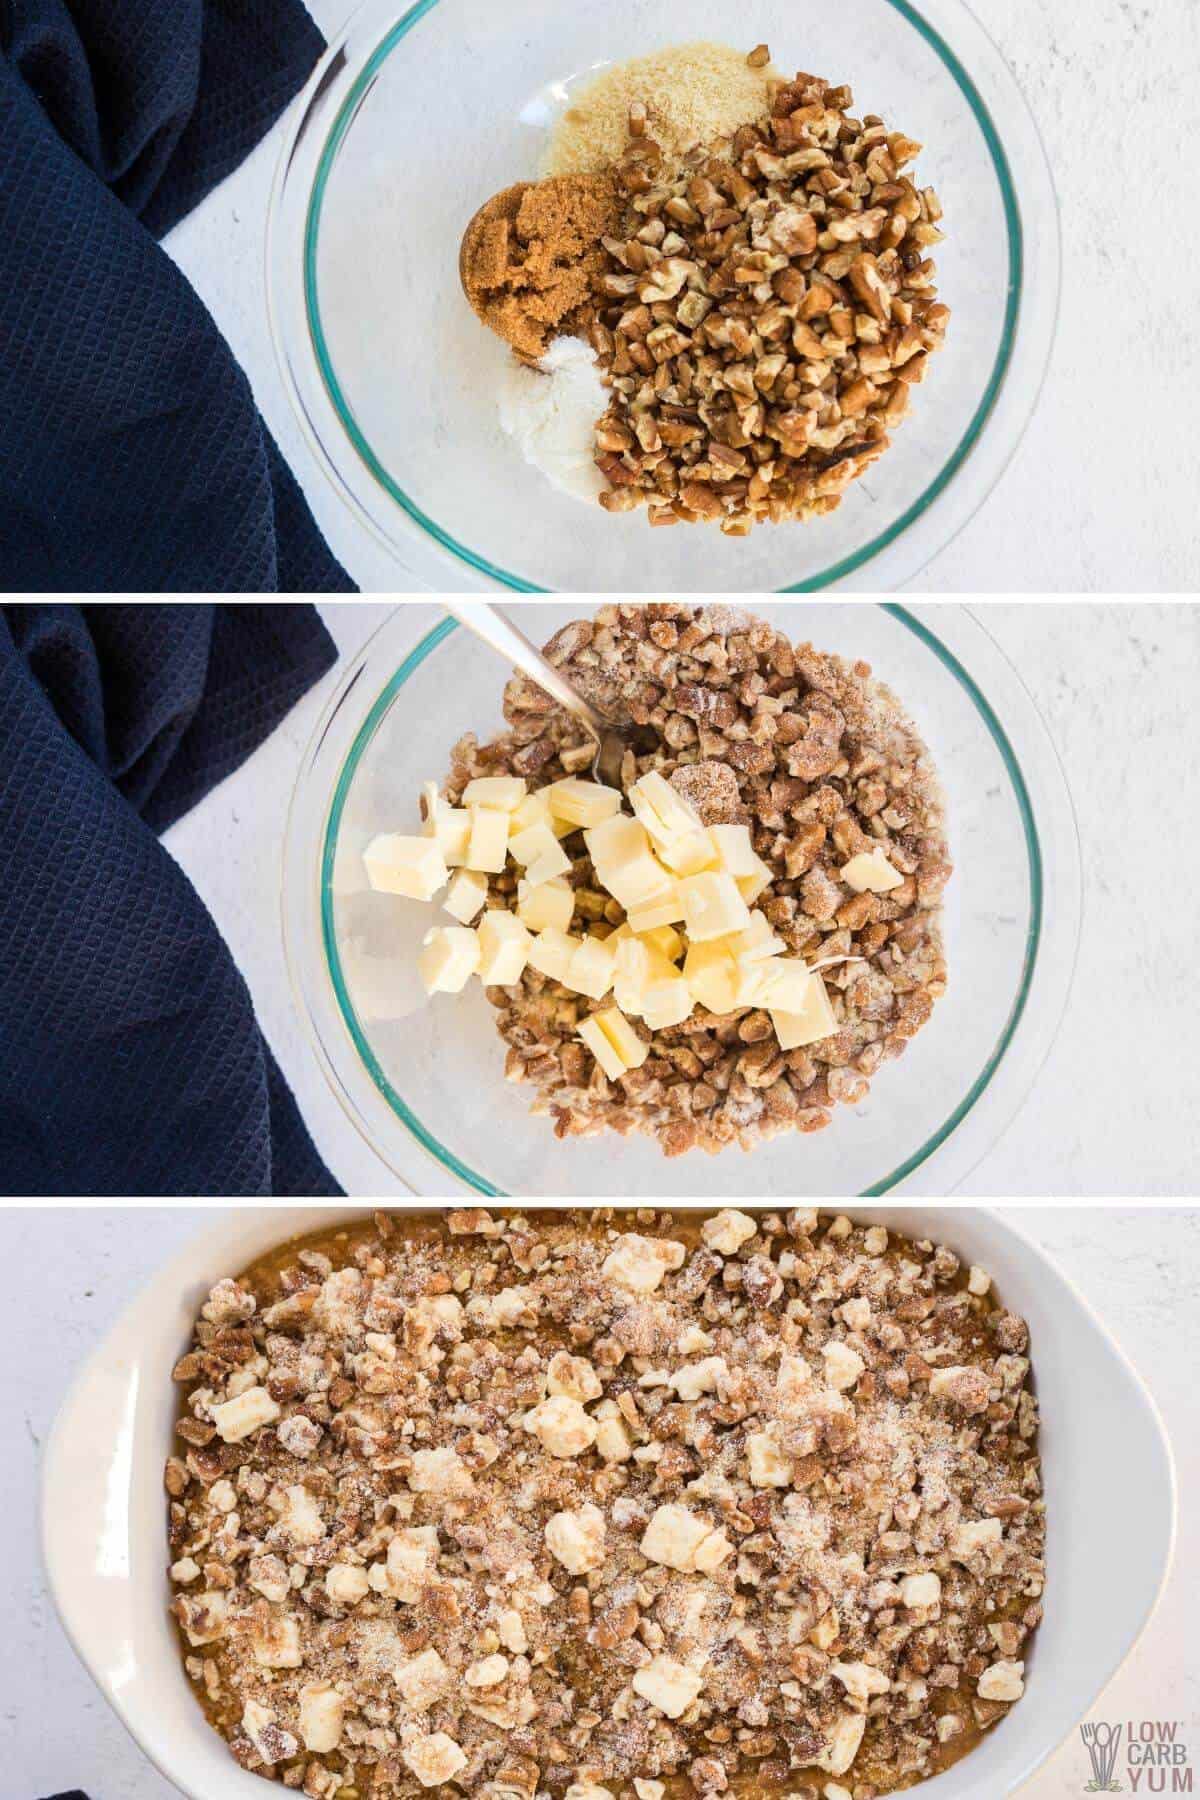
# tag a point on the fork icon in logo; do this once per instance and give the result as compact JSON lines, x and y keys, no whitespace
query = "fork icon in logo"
{"x":1103,"y":1741}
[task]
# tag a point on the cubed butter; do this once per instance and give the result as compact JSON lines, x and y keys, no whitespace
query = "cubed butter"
{"x":813,"y":1022}
{"x":734,"y":849}
{"x":711,"y":971}
{"x":504,"y":945}
{"x":758,"y":941}
{"x":583,"y":802}
{"x":535,"y":810}
{"x":453,"y":833}
{"x":412,"y":866}
{"x":551,"y":951}
{"x":689,"y":855}
{"x":667,"y":911}
{"x":870,"y":872}
{"x":666,"y":1002}
{"x":786,"y":984}
{"x":613,"y":1042}
{"x":666,"y":940}
{"x":626,"y":865}
{"x":712,"y":907}
{"x":466,"y":894}
{"x":665,"y":813}
{"x":550,"y":905}
{"x":590,"y":970}
{"x":751,"y":886}
{"x":449,"y":958}
{"x":548,"y":867}
{"x":499,"y":793}
{"x":487,"y":844}
{"x":429,"y":808}
{"x":536,"y":840}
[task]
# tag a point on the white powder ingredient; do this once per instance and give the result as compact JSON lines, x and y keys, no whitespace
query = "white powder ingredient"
{"x":694,"y":93}
{"x":550,"y":412}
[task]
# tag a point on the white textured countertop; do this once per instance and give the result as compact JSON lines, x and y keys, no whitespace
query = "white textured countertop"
{"x":1101,"y":495}
{"x":1115,"y":1111}
{"x":1140,"y":1270}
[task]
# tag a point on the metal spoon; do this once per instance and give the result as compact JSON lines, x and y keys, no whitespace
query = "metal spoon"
{"x":500,"y":634}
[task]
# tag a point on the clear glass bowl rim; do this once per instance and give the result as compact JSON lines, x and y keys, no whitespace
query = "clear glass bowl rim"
{"x":481,"y":565}
{"x":479,"y":1184}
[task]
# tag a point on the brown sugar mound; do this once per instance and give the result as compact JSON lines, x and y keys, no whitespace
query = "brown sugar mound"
{"x":529,"y":256}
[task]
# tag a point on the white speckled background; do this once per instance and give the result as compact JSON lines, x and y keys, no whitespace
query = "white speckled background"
{"x":1117,"y":1108}
{"x":1140,"y":1270}
{"x":1102,"y":494}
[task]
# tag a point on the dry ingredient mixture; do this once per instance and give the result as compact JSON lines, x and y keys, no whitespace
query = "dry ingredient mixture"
{"x":606,"y":1508}
{"x":822,"y":762}
{"x":760,"y":301}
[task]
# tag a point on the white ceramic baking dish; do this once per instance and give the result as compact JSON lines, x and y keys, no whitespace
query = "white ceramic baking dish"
{"x":1110,"y":1489}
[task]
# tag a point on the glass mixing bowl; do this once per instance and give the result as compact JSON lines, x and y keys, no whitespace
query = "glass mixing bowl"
{"x":410,"y":122}
{"x":423,"y":1080}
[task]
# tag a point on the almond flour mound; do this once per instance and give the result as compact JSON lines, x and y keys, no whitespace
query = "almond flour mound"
{"x":696,"y":93}
{"x":589,"y":1507}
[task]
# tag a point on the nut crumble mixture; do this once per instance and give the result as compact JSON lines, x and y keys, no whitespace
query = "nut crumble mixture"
{"x":820,"y":759}
{"x":606,"y":1507}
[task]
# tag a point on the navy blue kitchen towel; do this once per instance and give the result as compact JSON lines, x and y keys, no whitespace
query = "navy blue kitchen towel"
{"x":130,"y":1059}
{"x":132,"y":456}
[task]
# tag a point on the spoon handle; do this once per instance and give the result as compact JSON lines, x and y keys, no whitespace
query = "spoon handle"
{"x":501,"y":635}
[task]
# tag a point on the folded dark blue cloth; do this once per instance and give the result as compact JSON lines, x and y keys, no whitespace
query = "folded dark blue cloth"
{"x":130,"y":1059}
{"x":132,"y":456}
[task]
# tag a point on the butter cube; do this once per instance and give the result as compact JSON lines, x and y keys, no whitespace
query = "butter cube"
{"x":631,"y":972}
{"x":664,"y":813}
{"x":638,"y":965}
{"x":758,"y":941}
{"x":504,"y":945}
{"x":547,"y":867}
{"x":429,"y":808}
{"x":465,"y":895}
{"x":536,"y":840}
{"x":590,"y":970}
{"x":870,"y":872}
{"x":605,"y":1052}
{"x":412,"y":866}
{"x":550,"y":953}
{"x":453,"y":833}
{"x":712,"y":907}
{"x":449,"y":959}
{"x":549,"y":905}
{"x":787,"y":980}
{"x":667,"y":1002}
{"x":734,"y":849}
{"x":689,"y":855}
{"x":625,"y":863}
{"x":751,"y":886}
{"x":711,"y":971}
{"x":752,"y":981}
{"x":666,"y":940}
{"x":487,"y":845}
{"x":535,"y":810}
{"x":666,"y":911}
{"x":583,"y":802}
{"x":623,"y":1038}
{"x":814,"y":1021}
{"x":499,"y":793}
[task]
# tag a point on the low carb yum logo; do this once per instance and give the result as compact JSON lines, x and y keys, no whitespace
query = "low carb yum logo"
{"x":1154,"y":1760}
